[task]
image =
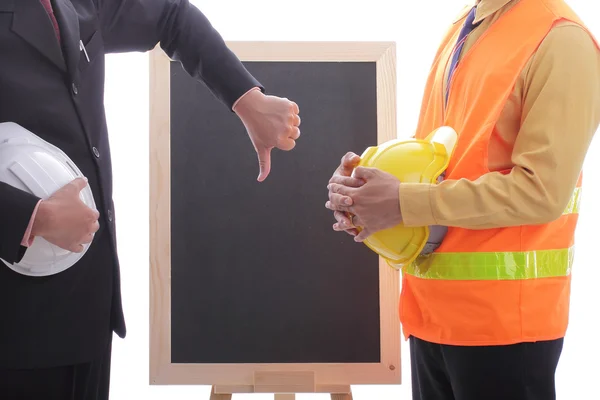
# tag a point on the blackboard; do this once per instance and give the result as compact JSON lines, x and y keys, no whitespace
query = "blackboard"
{"x":256,"y":274}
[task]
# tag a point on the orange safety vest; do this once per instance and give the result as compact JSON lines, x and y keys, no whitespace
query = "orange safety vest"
{"x":493,"y":286}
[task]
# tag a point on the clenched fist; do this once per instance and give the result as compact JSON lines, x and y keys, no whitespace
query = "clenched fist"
{"x":64,"y":220}
{"x":271,"y":122}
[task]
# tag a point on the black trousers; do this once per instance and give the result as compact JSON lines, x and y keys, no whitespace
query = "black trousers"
{"x":522,"y":371}
{"x":88,"y":381}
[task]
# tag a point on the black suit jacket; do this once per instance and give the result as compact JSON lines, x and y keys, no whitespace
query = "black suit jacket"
{"x":52,"y":89}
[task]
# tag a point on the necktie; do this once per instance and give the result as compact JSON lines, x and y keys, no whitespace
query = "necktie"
{"x":466,"y":29}
{"x":48,"y":7}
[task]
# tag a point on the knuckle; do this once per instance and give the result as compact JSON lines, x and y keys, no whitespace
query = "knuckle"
{"x":332,"y":200}
{"x":335,"y":200}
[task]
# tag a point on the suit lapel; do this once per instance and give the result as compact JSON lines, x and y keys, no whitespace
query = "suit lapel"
{"x":68,"y":22}
{"x":31,"y":23}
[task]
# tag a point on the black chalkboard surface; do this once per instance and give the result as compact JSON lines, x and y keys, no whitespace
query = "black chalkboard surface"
{"x":251,"y":290}
{"x":257,"y":273}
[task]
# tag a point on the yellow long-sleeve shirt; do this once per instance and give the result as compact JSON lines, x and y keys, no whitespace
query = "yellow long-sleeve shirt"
{"x":542,"y":137}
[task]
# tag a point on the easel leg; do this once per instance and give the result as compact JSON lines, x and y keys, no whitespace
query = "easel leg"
{"x":290,"y":396}
{"x":279,"y":396}
{"x":214,"y":396}
{"x":341,"y":396}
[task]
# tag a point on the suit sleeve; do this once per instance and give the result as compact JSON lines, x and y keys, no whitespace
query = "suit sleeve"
{"x":184,"y":33}
{"x":16,"y":208}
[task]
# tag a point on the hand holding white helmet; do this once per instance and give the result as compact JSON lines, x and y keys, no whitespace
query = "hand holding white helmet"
{"x":64,"y":220}
{"x":67,"y":218}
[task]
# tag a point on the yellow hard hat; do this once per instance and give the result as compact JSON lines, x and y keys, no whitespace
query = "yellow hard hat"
{"x":411,"y":161}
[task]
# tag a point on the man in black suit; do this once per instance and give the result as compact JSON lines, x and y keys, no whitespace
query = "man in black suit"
{"x":55,"y":331}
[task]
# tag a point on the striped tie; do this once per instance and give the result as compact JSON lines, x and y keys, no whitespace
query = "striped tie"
{"x":48,"y":7}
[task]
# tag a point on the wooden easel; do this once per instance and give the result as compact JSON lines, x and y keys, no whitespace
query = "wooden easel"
{"x":284,"y":385}
{"x":215,"y":394}
{"x":285,"y":380}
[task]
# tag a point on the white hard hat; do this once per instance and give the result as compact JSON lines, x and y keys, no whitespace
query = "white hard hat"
{"x":33,"y":165}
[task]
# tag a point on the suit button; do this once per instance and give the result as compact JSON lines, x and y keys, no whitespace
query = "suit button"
{"x":74,"y":88}
{"x":110,"y":215}
{"x":96,"y":152}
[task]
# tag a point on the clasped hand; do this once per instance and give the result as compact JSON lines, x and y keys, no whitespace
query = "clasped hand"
{"x":364,"y":200}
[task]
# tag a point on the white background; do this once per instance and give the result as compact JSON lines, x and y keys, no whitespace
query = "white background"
{"x":417,"y":27}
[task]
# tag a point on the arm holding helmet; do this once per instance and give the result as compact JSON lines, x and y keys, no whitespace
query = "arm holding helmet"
{"x":186,"y":35}
{"x":62,"y":219}
{"x":561,"y":113}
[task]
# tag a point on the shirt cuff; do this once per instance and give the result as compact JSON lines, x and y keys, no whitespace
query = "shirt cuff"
{"x":242,"y":96}
{"x":416,"y":204}
{"x":27,"y":238}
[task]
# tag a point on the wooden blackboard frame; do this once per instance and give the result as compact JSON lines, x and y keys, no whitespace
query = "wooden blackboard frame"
{"x":268,"y":378}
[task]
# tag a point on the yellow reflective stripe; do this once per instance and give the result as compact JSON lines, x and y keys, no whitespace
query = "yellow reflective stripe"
{"x":574,"y":203}
{"x":493,"y":266}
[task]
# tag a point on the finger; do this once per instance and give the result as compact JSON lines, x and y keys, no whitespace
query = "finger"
{"x":295,"y":133}
{"x":294,"y":107}
{"x":95,"y":227}
{"x":295,"y":120}
{"x":343,"y":190}
{"x":264,"y":162}
{"x":348,"y":163}
{"x":356,"y":222}
{"x":344,"y":223}
{"x":76,"y":185}
{"x":286,"y":144}
{"x":335,"y":207}
{"x":340,"y":200}
{"x":351,"y":231}
{"x":343,"y":220}
{"x":77,"y":248}
{"x":365,"y":173}
{"x":346,"y":181}
{"x":87,"y":239}
{"x":93,"y":214}
{"x":362,"y":236}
